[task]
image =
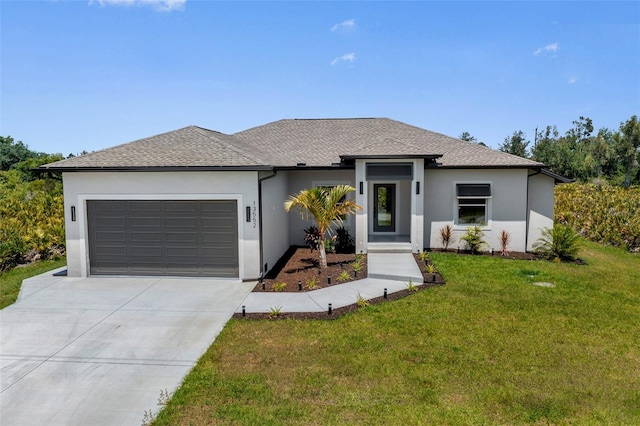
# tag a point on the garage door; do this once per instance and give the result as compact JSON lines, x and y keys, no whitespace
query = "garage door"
{"x":179,"y":238}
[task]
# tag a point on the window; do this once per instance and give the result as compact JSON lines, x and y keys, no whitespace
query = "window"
{"x":473,"y":204}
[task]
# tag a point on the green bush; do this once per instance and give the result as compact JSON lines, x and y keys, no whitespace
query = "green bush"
{"x":31,"y":218}
{"x":560,"y":242}
{"x":601,"y":213}
{"x":473,"y":239}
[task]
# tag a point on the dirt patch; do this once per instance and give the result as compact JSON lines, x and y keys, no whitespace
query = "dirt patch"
{"x":301,"y":265}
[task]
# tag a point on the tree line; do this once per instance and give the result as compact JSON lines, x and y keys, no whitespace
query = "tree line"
{"x":582,"y":153}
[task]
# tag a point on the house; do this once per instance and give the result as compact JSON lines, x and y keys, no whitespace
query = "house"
{"x":195,"y":202}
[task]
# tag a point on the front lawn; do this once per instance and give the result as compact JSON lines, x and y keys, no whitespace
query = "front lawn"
{"x":11,"y":281}
{"x":489,"y":347}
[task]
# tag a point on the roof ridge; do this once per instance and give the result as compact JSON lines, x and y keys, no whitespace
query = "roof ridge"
{"x":233,"y":146}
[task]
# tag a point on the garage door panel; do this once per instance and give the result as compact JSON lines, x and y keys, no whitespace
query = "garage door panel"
{"x":146,"y":237}
{"x":156,"y":237}
{"x":145,"y":222}
{"x":112,"y":236}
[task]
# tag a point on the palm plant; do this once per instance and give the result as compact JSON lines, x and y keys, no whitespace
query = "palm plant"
{"x":327,"y":207}
{"x":560,"y":242}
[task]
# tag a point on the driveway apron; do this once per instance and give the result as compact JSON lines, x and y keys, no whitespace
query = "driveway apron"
{"x":100,"y":351}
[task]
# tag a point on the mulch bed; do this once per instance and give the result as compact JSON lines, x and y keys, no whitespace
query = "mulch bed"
{"x":301,"y":265}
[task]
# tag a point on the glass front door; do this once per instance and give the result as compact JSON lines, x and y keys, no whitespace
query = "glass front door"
{"x":384,"y":203}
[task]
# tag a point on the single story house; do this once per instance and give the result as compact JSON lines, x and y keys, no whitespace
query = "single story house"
{"x":196,"y":202}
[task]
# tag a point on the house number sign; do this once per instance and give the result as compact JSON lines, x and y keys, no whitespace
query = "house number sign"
{"x":254,"y":215}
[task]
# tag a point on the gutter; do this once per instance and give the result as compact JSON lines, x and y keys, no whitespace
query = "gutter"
{"x":263,"y":267}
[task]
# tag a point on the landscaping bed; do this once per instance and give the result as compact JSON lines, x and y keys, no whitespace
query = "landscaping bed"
{"x":301,"y":265}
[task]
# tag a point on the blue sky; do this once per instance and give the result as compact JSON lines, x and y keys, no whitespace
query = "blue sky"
{"x":86,"y":75}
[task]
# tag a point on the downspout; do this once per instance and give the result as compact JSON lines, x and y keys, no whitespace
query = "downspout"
{"x":260,"y":180}
{"x":526,"y":233}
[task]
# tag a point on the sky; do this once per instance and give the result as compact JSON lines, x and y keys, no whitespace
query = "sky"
{"x":87,"y":75}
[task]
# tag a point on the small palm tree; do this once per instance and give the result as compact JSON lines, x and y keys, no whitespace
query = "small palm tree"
{"x":559,"y":242}
{"x":327,"y":206}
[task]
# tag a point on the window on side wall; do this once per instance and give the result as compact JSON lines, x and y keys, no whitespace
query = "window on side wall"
{"x":473,"y":203}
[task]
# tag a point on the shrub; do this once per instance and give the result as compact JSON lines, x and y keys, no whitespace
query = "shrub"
{"x":344,"y":276}
{"x":312,"y":237}
{"x":275,"y":311}
{"x":411,"y":287}
{"x":357,"y":266}
{"x":344,"y":241}
{"x":430,"y":268}
{"x":505,"y":239}
{"x":280,"y":286}
{"x":473,"y":239}
{"x":362,"y":302}
{"x":330,"y":245}
{"x":312,"y":284}
{"x":601,"y":213}
{"x":423,"y":256}
{"x":446,"y":236}
{"x":558,"y":243}
{"x":31,"y":219}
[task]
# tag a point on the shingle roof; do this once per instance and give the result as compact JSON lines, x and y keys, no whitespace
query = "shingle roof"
{"x":320,"y":142}
{"x":284,"y":143}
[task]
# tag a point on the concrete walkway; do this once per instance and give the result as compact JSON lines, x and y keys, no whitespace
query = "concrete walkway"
{"x":391,"y":271}
{"x":98,"y":351}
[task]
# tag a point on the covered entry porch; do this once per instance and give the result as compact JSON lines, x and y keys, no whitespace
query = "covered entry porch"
{"x":390,"y":191}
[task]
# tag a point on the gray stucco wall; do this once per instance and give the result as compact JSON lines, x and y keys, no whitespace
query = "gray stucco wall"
{"x":507,"y":207}
{"x":305,"y":179}
{"x":275,"y":221}
{"x":541,"y":204}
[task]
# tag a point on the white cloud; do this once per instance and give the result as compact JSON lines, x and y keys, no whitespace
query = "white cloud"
{"x":347,"y":57}
{"x":348,"y":25}
{"x":160,"y":5}
{"x":572,"y":80}
{"x":552,"y":47}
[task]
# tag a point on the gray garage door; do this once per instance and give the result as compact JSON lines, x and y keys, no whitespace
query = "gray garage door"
{"x":179,"y":238}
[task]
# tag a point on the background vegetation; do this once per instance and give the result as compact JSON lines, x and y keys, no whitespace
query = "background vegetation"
{"x":602,"y":213}
{"x":582,"y":153}
{"x":31,"y":211}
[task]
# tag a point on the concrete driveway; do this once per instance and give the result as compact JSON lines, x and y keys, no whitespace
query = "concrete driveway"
{"x":98,"y":351}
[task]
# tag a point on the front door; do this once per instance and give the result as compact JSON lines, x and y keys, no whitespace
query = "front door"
{"x":384,"y":202}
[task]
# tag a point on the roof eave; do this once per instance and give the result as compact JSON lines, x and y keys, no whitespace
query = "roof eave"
{"x":154,"y":169}
{"x":558,"y":178}
{"x":395,"y":156}
{"x":491,"y":166}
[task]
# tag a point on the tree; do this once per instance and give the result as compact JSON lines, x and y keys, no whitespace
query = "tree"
{"x":627,"y":142}
{"x":466,"y":136}
{"x":516,"y":144}
{"x":12,"y":152}
{"x":327,"y":206}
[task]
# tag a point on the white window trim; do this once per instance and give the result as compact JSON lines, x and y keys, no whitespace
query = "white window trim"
{"x":489,"y":206}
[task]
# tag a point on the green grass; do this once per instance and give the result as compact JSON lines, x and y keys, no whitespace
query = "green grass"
{"x":11,"y":281}
{"x":487,"y":348}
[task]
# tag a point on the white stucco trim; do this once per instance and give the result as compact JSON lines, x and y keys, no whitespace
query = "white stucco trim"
{"x":416,"y":201}
{"x":81,"y":215}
